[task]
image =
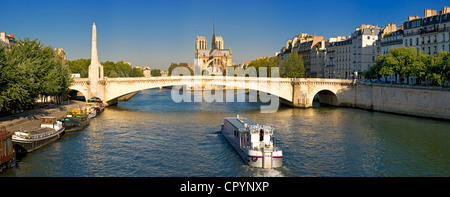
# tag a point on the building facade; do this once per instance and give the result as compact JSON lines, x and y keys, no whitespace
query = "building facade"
{"x":430,"y":33}
{"x":343,"y":57}
{"x":7,"y":40}
{"x":335,"y":55}
{"x":60,"y":52}
{"x":390,"y":36}
{"x":364,"y":48}
{"x":311,"y":48}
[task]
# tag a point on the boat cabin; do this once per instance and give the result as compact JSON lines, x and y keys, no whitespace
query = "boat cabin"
{"x":79,"y":111}
{"x":6,"y":147}
{"x":249,"y":133}
{"x":49,"y":122}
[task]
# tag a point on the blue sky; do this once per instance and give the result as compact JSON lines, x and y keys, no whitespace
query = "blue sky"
{"x":156,"y":33}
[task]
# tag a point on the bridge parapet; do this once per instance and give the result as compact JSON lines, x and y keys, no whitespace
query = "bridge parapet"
{"x":321,"y":81}
{"x":79,"y":81}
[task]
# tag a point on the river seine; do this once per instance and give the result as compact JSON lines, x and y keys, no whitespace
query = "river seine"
{"x":152,"y":136}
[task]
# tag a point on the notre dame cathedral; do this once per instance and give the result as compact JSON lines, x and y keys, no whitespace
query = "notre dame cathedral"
{"x":214,"y":60}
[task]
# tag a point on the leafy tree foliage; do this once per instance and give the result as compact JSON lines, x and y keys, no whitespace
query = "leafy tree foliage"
{"x":29,"y":70}
{"x":110,"y":69}
{"x":174,"y":65}
{"x":405,"y":62}
{"x":293,"y":66}
{"x":266,"y":63}
{"x":155,"y":72}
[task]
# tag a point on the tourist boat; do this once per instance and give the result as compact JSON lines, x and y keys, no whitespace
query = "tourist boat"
{"x":28,"y":141}
{"x":7,"y":153}
{"x":254,"y":143}
{"x":72,"y":124}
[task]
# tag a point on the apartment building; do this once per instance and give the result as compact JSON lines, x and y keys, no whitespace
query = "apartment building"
{"x":430,"y":33}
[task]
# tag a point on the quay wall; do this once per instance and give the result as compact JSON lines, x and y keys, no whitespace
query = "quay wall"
{"x":433,"y":102}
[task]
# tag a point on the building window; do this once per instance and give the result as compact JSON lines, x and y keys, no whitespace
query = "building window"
{"x":417,"y":41}
{"x":410,"y":42}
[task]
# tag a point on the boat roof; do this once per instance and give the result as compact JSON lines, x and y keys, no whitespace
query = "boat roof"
{"x":48,"y":117}
{"x":38,"y":130}
{"x":238,"y":124}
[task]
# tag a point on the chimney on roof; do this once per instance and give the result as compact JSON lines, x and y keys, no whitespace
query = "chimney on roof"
{"x":445,"y":10}
{"x":429,"y":12}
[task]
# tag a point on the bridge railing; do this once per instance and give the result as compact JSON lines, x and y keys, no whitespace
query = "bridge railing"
{"x":222,"y":78}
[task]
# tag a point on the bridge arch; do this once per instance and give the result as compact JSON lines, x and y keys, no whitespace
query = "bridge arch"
{"x":118,"y":87}
{"x":80,"y":85}
{"x":326,"y":96}
{"x":76,"y":95}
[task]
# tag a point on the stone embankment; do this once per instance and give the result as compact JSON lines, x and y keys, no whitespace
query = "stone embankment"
{"x":431,"y":102}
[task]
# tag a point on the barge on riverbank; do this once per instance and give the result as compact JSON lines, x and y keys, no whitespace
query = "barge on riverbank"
{"x":28,"y":141}
{"x":7,"y":153}
{"x":253,"y":142}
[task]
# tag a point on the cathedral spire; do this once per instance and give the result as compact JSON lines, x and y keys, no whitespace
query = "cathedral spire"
{"x":213,"y":39}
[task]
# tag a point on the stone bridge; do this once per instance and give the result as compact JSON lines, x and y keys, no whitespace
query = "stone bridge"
{"x":296,"y":92}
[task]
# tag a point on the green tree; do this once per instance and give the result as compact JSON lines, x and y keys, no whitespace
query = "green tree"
{"x":374,"y":71}
{"x":171,"y":67}
{"x":174,"y":65}
{"x":136,"y":72}
{"x":80,"y":66}
{"x":30,"y":69}
{"x":441,"y":68}
{"x":275,"y":61}
{"x":155,"y":72}
{"x":293,"y":66}
{"x":401,"y":61}
{"x":419,"y":69}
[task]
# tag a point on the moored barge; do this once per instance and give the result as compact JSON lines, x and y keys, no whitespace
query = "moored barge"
{"x":254,"y":143}
{"x":74,"y":123}
{"x":28,"y":141}
{"x":7,"y":153}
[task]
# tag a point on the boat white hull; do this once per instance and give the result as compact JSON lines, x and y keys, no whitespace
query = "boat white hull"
{"x":30,"y":145}
{"x":254,"y":158}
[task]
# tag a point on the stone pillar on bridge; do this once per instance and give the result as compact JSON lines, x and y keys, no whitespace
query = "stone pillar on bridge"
{"x":97,"y":83}
{"x":300,"y":94}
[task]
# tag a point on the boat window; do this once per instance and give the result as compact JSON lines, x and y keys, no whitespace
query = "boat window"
{"x":261,"y":135}
{"x":9,"y":144}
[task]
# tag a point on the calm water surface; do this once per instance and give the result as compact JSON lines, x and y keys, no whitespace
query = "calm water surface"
{"x":151,"y":136}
